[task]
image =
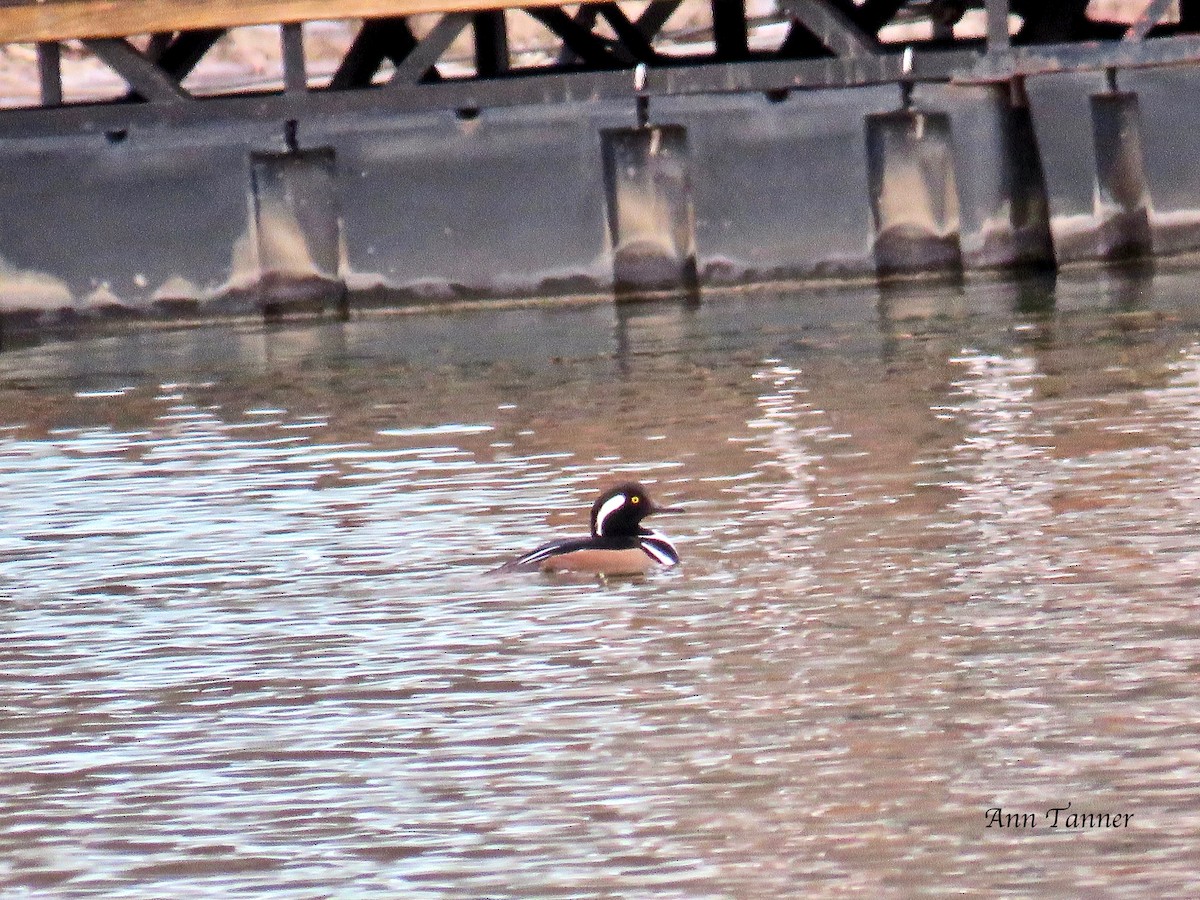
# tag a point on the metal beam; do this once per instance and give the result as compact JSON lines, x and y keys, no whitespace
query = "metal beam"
{"x":630,"y":35}
{"x":143,"y":77}
{"x":546,"y":88}
{"x":830,"y":26}
{"x":729,"y":30}
{"x":873,"y":14}
{"x":583,"y":42}
{"x":585,"y":16}
{"x":954,"y":66}
{"x":1062,"y":20}
{"x":1150,"y":17}
{"x":655,"y":16}
{"x":390,"y":38}
{"x":181,"y":55}
{"x":423,"y":56}
{"x":491,"y":43}
{"x":998,"y":39}
{"x":1046,"y":59}
{"x":158,"y":44}
{"x":295,"y":73}
{"x":49,"y":57}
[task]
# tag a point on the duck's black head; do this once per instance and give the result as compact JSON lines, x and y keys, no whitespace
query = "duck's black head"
{"x":619,"y":511}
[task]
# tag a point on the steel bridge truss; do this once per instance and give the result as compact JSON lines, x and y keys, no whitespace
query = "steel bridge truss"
{"x":606,"y":53}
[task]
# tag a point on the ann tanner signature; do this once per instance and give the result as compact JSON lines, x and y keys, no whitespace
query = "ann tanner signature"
{"x":1057,"y":817}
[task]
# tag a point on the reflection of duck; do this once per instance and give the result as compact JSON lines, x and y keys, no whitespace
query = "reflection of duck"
{"x":618,"y":545}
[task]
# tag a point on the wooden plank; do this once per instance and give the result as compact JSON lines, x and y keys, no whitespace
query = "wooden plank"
{"x":32,"y":21}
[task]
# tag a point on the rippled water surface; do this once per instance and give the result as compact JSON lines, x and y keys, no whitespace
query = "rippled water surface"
{"x":940,"y":557}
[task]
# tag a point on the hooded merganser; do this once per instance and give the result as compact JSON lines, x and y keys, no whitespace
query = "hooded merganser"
{"x":619,"y":545}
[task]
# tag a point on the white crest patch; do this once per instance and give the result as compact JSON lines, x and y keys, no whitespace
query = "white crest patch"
{"x":607,"y":508}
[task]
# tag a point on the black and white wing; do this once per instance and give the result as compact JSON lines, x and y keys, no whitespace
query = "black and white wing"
{"x":532,"y":561}
{"x":659,"y":548}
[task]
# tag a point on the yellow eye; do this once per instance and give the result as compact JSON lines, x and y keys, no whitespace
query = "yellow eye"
{"x":635,"y":499}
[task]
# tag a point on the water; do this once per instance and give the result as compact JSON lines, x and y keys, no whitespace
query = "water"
{"x":939,"y":552}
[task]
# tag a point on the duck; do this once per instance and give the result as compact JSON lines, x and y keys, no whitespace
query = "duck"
{"x":618,"y":544}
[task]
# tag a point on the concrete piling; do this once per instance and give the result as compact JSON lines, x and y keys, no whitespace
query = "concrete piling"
{"x":651,"y":221}
{"x":1122,"y":194}
{"x":298,"y":232}
{"x":914,"y":192}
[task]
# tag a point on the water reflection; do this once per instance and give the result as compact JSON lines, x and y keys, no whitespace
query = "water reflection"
{"x":1004,"y":475}
{"x":782,"y":528}
{"x":938,"y":558}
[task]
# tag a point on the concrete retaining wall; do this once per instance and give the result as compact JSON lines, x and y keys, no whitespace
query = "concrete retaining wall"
{"x":103,"y":217}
